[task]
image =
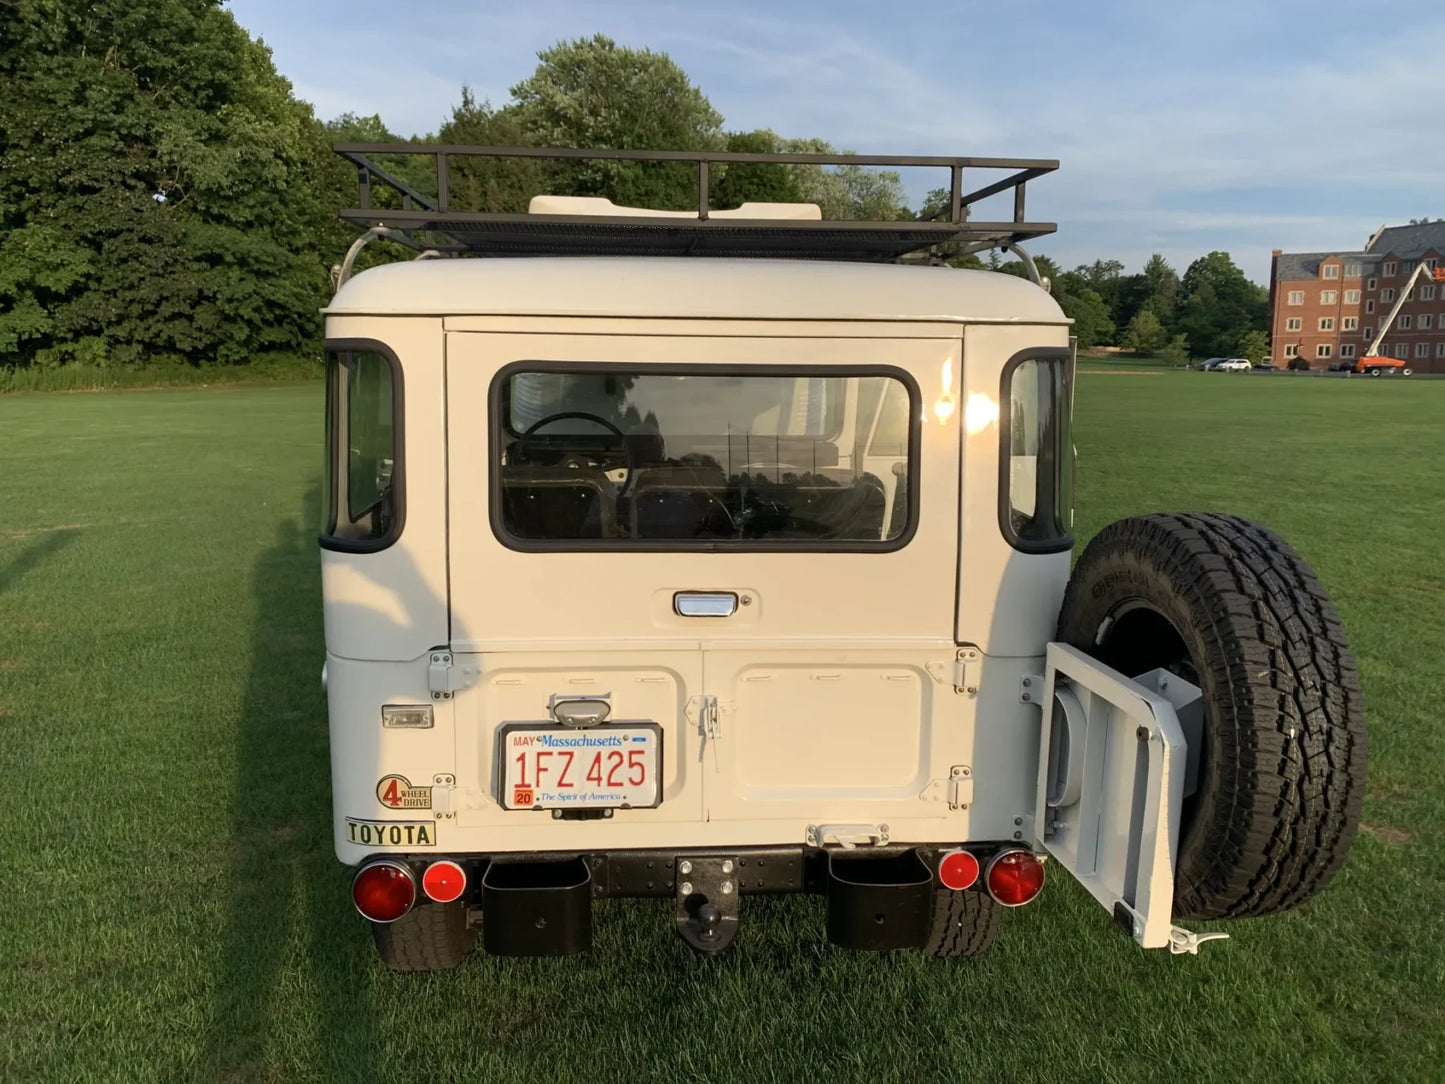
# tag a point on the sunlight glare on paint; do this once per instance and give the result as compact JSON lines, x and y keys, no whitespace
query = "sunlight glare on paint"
{"x":943,"y":408}
{"x":979,"y":413}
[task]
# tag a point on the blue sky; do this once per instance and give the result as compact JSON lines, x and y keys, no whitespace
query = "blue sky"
{"x":1182,"y":126}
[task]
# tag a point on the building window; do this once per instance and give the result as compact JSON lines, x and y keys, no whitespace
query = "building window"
{"x":1402,"y":350}
{"x":1369,"y":334}
{"x":1369,"y":306}
{"x":1329,"y":297}
{"x":1291,"y":350}
{"x":1330,"y":271}
{"x":1405,"y":323}
{"x":1440,"y":350}
{"x":1425,"y":321}
{"x":1370,"y":284}
{"x":1296,"y":297}
{"x":1387,"y":295}
{"x":1294,"y":323}
{"x":1352,"y":297}
{"x":1350,"y":323}
{"x":1422,"y":350}
{"x":1388,"y":270}
{"x":1352,"y":270}
{"x":1323,"y":350}
{"x":1428,"y":263}
{"x":1347,"y":350}
{"x":1427,"y":293}
{"x":1327,"y":323}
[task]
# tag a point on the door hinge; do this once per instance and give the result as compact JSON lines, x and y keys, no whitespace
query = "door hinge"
{"x":445,"y":676}
{"x":702,"y":712}
{"x":966,"y":670}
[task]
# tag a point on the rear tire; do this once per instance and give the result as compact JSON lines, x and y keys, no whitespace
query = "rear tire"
{"x":429,"y":937}
{"x":1407,"y":371}
{"x":963,"y":923}
{"x":1231,"y":607}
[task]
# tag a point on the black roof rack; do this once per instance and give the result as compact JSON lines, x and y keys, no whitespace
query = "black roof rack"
{"x":429,"y":223}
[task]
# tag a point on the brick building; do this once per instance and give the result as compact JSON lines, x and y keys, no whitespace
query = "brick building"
{"x":1327,"y":306}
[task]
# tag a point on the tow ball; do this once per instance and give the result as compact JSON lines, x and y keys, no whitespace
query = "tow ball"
{"x":707,"y":902}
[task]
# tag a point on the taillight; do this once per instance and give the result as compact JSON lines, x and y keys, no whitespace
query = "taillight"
{"x":383,"y":891}
{"x":1015,"y":877}
{"x":444,"y":881}
{"x":958,"y":870}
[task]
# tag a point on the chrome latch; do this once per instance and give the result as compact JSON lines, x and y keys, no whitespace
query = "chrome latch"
{"x":702,"y":712}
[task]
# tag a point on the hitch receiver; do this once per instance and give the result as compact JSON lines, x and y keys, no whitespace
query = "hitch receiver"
{"x":707,"y":902}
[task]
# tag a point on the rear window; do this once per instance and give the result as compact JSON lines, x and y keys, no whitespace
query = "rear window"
{"x":363,"y":476}
{"x":645,"y":457}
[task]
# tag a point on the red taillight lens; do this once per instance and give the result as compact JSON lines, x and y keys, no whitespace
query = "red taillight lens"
{"x":444,"y":881}
{"x":958,"y":870}
{"x":384,"y":891}
{"x":1015,"y":877}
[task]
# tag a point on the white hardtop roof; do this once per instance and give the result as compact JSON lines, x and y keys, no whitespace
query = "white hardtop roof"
{"x":684,"y":288}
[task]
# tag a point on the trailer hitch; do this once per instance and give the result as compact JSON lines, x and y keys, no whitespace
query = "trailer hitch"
{"x":707,"y":902}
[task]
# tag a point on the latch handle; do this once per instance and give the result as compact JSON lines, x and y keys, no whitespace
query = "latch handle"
{"x":1182,"y":941}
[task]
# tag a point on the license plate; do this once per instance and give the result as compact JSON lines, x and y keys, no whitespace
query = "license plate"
{"x":617,"y":766}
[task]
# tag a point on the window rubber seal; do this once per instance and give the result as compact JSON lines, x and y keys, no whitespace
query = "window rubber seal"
{"x":1063,"y":543}
{"x":570,"y":545}
{"x":328,"y":540}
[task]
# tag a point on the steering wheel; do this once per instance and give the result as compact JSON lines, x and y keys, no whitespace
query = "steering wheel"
{"x":580,"y":415}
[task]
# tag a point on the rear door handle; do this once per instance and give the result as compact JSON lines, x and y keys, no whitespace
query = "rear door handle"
{"x":705,"y":603}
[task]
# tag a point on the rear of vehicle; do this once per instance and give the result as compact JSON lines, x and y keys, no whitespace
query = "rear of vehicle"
{"x":704,"y":578}
{"x":610,"y":597}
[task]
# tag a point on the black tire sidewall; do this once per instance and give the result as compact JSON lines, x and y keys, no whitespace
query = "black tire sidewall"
{"x":1131,"y":576}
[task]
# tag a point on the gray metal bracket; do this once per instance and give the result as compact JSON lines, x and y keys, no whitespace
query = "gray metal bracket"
{"x":445,"y":677}
{"x":707,"y":902}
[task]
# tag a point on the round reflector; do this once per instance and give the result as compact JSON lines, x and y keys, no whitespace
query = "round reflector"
{"x":444,"y":881}
{"x":383,"y":891}
{"x":958,"y":870}
{"x":1015,"y":877}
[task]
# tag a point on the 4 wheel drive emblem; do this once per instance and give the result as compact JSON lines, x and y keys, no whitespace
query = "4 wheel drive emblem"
{"x":395,"y":792}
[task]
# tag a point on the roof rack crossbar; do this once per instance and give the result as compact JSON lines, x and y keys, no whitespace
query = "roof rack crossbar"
{"x":514,"y":234}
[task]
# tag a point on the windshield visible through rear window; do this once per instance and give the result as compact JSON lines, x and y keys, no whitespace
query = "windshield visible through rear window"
{"x":591,"y":456}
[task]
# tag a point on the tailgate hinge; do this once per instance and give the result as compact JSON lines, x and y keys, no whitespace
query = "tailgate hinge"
{"x":966,"y":669}
{"x":445,"y":676}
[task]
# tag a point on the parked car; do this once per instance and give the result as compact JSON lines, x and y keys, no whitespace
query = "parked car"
{"x":1347,"y":365}
{"x":1210,"y":363}
{"x":628,"y":594}
{"x":1233,"y":365}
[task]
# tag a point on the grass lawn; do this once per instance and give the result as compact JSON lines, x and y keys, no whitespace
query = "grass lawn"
{"x":175,"y":911}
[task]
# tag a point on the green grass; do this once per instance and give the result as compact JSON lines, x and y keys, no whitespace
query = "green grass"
{"x":174,"y":910}
{"x":78,"y":377}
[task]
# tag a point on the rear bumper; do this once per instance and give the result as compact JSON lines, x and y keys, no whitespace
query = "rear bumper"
{"x":652,"y":873}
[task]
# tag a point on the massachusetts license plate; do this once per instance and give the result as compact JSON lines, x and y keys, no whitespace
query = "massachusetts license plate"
{"x":615,"y":766}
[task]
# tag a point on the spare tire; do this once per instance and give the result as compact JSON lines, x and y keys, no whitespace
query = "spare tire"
{"x":1230,"y":606}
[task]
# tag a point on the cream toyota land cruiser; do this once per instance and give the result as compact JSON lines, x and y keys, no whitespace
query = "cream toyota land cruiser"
{"x":698,"y":555}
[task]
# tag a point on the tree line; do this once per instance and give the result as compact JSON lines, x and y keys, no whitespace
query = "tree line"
{"x":166,"y":198}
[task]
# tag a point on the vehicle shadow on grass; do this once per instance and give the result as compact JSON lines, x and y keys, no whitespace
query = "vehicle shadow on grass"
{"x":292,"y":981}
{"x":36,"y":553}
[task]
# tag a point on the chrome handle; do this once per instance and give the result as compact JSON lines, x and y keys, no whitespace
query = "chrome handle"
{"x":705,"y":604}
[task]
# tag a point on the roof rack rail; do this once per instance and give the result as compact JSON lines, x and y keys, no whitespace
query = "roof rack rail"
{"x":430,"y":224}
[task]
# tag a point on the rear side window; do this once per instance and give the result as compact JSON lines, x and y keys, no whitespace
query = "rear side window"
{"x":1036,"y":462}
{"x":589,"y":456}
{"x":363,"y":461}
